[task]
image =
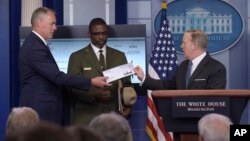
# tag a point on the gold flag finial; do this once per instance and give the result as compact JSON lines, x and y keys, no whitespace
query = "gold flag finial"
{"x":164,"y":4}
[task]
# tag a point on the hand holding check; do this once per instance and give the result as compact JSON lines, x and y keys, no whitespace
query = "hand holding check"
{"x":119,"y":72}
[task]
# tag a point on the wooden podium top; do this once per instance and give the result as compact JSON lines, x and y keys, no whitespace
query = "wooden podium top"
{"x":210,"y":92}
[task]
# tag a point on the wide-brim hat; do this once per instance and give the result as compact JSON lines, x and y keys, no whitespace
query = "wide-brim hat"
{"x":127,"y":94}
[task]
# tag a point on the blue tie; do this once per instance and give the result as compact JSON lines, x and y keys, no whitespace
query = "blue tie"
{"x":188,"y":74}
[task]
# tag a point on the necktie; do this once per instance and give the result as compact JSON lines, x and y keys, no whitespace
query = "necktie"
{"x":188,"y":74}
{"x":101,"y":59}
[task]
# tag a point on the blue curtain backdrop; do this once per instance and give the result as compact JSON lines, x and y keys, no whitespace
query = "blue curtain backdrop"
{"x":121,"y":12}
{"x":4,"y":65}
{"x":56,"y":5}
{"x":15,"y":20}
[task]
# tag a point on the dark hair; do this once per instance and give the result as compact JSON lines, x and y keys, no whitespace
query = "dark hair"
{"x":96,"y":21}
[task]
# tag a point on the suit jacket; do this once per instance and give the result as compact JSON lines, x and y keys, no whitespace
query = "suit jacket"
{"x":85,"y":63}
{"x":41,"y":80}
{"x":209,"y":74}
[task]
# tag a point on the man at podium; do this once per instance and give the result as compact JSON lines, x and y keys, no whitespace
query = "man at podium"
{"x":198,"y":71}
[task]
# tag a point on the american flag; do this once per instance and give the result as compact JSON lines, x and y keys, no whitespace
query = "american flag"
{"x":163,"y":58}
{"x":163,"y":64}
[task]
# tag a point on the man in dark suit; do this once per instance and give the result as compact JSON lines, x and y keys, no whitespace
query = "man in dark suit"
{"x":89,"y":62}
{"x":41,"y":79}
{"x":205,"y":72}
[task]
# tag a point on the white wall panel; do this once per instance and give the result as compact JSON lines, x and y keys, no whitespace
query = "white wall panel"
{"x":81,"y":12}
{"x":139,"y":9}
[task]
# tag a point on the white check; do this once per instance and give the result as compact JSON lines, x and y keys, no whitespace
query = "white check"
{"x":119,"y":72}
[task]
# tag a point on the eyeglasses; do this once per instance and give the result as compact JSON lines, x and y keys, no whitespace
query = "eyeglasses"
{"x":99,"y":33}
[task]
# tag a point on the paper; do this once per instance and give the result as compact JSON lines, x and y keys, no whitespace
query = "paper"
{"x":119,"y":72}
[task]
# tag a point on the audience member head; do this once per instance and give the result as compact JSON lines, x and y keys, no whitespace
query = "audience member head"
{"x":194,"y":43}
{"x":82,"y":133}
{"x":21,"y":118}
{"x":214,"y":127}
{"x":41,"y":132}
{"x":43,"y":21}
{"x":112,"y":126}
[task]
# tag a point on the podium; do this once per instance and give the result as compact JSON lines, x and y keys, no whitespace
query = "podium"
{"x":185,"y":128}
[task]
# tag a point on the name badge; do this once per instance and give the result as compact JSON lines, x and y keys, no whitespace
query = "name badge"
{"x":87,"y":68}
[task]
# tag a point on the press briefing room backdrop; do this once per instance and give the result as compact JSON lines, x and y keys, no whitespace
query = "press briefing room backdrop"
{"x":79,"y":12}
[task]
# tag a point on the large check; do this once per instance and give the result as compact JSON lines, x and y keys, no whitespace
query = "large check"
{"x":119,"y":72}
